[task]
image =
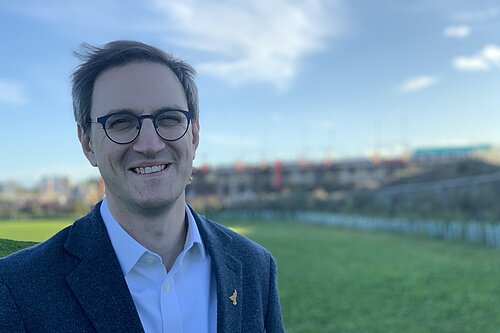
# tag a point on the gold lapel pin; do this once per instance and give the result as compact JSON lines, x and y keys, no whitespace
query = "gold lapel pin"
{"x":233,"y":297}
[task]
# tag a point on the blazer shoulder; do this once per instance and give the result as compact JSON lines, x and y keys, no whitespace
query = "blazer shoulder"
{"x":52,"y":255}
{"x":38,"y":257}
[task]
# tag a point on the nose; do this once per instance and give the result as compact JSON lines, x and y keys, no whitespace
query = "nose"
{"x":148,"y":142}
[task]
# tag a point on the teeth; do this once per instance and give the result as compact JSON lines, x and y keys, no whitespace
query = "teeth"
{"x":151,"y":169}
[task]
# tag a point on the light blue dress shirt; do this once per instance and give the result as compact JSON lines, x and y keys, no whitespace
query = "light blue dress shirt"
{"x":181,"y":300}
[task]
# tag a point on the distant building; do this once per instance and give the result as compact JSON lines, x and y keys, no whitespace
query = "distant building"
{"x":55,"y":184}
{"x":228,"y":185}
{"x":9,"y":187}
{"x":452,"y":153}
{"x":232,"y":184}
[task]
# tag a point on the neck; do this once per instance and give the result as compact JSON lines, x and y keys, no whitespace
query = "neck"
{"x":160,"y":231}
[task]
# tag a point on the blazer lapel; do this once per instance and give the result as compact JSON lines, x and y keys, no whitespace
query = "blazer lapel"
{"x":97,"y":282}
{"x":228,"y":275}
{"x":228,"y":278}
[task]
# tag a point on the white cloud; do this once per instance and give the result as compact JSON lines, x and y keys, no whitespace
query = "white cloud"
{"x":11,"y":93}
{"x":491,"y":53}
{"x":243,"y":41}
{"x":253,"y":41}
{"x":457,"y":31}
{"x":417,"y":83}
{"x":471,"y":64}
{"x":484,"y":60}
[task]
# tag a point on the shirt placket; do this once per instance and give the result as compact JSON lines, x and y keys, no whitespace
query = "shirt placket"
{"x":170,"y":306}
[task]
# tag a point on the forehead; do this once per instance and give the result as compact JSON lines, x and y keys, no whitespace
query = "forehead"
{"x":141,"y":87}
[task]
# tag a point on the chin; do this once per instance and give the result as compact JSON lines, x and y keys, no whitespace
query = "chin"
{"x":157,"y":203}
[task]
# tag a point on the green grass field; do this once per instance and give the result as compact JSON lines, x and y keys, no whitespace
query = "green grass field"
{"x":31,"y":230}
{"x":334,"y":280}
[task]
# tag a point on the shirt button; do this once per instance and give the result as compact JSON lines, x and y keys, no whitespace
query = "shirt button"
{"x":150,"y":260}
{"x":166,"y":287}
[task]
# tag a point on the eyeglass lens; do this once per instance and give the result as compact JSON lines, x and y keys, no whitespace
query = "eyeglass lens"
{"x":124,"y":128}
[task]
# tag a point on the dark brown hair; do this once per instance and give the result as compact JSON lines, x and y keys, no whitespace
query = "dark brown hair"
{"x":118,"y":53}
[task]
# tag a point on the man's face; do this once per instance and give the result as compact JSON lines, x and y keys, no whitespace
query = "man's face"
{"x":140,"y":88}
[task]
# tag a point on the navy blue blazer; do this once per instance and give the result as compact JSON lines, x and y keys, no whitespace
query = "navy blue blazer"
{"x":73,"y":283}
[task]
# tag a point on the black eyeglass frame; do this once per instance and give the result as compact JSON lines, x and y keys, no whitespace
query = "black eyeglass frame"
{"x":102,"y":120}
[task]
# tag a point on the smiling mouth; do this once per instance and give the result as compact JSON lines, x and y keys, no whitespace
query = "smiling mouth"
{"x":149,"y":169}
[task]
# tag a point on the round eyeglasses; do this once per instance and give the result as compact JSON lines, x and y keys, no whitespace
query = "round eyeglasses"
{"x":124,"y":127}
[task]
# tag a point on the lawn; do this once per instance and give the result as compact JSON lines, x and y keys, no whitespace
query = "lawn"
{"x":31,"y":230}
{"x":334,"y":280}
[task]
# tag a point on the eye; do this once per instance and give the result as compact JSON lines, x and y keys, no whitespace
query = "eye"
{"x":121,"y":122}
{"x":170,"y":119}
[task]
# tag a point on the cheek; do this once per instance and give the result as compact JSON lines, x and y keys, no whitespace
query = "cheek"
{"x":96,"y":142}
{"x":191,"y":152}
{"x":109,"y":156}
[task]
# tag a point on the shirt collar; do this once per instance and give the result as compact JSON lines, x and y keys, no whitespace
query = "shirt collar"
{"x":129,"y":251}
{"x":193,"y":236}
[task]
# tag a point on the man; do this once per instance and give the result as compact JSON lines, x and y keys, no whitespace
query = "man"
{"x":142,"y":259}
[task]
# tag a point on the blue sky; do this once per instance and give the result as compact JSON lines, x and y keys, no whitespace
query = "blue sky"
{"x":277,"y":79}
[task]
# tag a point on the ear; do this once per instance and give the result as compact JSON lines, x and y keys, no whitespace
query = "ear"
{"x":86,"y":143}
{"x":196,"y":136}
